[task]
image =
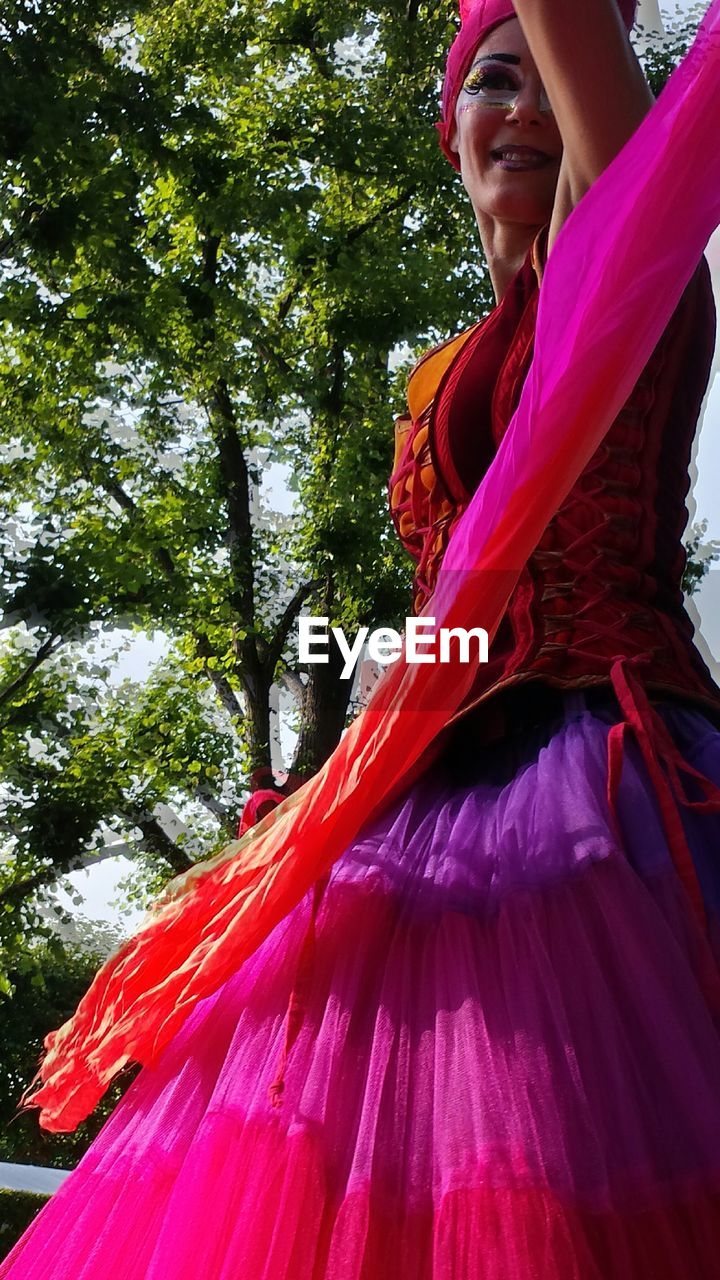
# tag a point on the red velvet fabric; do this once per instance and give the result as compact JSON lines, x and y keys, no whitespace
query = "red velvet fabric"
{"x":605,"y":580}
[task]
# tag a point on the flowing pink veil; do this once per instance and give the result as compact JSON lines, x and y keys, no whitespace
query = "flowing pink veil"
{"x":612,"y":282}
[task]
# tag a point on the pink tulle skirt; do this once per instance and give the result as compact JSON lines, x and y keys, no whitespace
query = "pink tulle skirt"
{"x":507,"y":1067}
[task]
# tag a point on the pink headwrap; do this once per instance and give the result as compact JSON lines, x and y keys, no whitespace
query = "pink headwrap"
{"x":478,"y":19}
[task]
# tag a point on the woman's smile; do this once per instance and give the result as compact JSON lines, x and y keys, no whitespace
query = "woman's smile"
{"x":514,"y":157}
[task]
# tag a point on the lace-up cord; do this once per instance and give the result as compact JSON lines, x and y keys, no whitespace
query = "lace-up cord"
{"x":587,"y":590}
{"x":658,"y":748}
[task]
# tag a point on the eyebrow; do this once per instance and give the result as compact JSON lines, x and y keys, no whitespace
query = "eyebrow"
{"x":511,"y":58}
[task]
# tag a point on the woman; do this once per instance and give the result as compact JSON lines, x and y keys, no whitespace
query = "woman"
{"x":501,"y":1053}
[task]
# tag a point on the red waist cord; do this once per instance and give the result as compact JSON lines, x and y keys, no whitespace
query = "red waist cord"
{"x":657,"y":746}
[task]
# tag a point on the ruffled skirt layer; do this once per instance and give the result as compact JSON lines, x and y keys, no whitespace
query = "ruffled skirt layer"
{"x":507,"y":1067}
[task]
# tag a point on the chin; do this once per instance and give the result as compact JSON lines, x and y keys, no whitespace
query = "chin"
{"x":515,"y":201}
{"x":514,"y":209}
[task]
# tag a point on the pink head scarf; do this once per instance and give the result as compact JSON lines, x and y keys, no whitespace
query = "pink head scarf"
{"x":478,"y":19}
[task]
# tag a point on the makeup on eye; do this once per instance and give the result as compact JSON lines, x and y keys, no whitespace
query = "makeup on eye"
{"x":483,"y":77}
{"x":493,"y":86}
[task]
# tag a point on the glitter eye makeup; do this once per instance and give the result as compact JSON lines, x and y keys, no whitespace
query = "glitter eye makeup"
{"x":493,"y":86}
{"x":481,"y":79}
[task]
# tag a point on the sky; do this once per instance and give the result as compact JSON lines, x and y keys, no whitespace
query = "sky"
{"x":99,"y":886}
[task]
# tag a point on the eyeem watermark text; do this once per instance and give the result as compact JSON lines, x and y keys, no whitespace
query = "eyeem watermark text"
{"x":385,"y":645}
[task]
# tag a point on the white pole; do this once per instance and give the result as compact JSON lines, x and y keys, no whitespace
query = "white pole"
{"x":648,"y":18}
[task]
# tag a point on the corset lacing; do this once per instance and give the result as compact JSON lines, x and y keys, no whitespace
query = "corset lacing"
{"x":602,"y":587}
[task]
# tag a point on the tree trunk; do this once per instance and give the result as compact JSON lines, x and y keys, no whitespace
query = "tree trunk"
{"x":324,"y":710}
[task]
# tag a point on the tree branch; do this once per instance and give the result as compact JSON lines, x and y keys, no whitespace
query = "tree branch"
{"x":161,"y":555}
{"x":235,"y":476}
{"x":20,"y":889}
{"x":236,"y":486}
{"x":214,"y":806}
{"x":293,"y":683}
{"x":156,"y":840}
{"x":223,"y":688}
{"x":46,"y":650}
{"x":290,"y":613}
{"x":363,"y":227}
{"x":226,"y":695}
{"x":333,"y":401}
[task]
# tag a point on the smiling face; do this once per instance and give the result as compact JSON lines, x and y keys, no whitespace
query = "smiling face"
{"x":505,"y":133}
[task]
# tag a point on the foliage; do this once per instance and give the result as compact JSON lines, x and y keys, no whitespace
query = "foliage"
{"x":702,"y":553}
{"x":17,"y":1210}
{"x":224,"y":229}
{"x":662,"y":52}
{"x":48,"y":980}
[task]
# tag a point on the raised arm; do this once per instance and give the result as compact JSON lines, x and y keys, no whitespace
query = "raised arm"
{"x":595,"y":85}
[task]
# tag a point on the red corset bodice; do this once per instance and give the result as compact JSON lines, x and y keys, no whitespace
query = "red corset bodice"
{"x":605,"y":580}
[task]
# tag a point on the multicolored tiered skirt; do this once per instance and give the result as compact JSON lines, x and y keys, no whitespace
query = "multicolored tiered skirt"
{"x":506,"y":1065}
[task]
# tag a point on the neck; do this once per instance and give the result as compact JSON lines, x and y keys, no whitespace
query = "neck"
{"x":505,"y":245}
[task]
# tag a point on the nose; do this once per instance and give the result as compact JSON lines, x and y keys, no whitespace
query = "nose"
{"x":528,"y":108}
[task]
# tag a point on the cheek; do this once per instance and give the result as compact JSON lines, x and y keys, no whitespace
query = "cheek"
{"x":477,"y":128}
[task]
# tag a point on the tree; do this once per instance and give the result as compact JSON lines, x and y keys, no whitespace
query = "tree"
{"x":222,"y":227}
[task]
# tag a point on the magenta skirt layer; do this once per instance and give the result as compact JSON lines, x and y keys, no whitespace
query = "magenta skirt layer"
{"x":508,"y":1066}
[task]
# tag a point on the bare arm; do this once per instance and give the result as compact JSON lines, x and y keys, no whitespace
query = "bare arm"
{"x":594,"y":82}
